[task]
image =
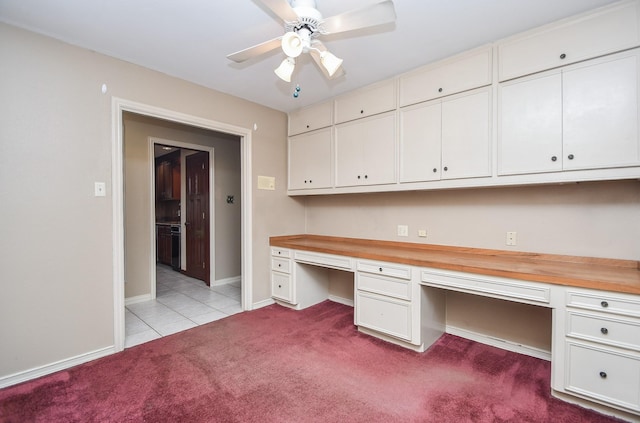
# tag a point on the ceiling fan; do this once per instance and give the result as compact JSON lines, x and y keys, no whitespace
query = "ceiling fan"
{"x":304,"y":24}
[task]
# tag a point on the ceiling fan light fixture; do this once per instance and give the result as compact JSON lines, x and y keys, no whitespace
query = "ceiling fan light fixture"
{"x":292,"y":44}
{"x":330,"y":62}
{"x":285,"y":70}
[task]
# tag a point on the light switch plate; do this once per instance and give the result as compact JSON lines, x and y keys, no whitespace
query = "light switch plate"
{"x":100,"y":189}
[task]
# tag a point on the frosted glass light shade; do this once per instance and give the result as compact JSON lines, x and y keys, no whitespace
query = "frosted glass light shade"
{"x":292,"y":44}
{"x":330,"y":62}
{"x":285,"y":70}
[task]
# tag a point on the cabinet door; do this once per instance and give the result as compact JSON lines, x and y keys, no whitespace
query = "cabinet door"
{"x":377,"y":98}
{"x":466,"y":147}
{"x":420,"y":133}
{"x":366,"y":152}
{"x":310,"y":160}
{"x":600,"y":118}
{"x":311,"y":118}
{"x":607,"y":31}
{"x":530,"y":125}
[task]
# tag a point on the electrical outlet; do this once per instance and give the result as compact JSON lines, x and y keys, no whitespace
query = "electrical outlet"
{"x":422,"y":233}
{"x":403,"y":230}
{"x":512,"y":238}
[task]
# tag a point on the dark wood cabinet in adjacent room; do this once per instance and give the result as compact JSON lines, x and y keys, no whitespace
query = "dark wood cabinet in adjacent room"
{"x":168,"y":177}
{"x":164,"y":244}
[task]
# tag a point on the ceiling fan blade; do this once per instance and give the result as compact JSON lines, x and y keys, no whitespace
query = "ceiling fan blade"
{"x":257,"y":50}
{"x":377,"y":14}
{"x":282,"y":8}
{"x":315,"y":54}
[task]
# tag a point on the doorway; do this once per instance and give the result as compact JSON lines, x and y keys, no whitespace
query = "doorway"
{"x":121,"y":106}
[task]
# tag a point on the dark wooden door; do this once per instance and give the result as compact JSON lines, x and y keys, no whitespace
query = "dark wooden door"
{"x":197,"y":218}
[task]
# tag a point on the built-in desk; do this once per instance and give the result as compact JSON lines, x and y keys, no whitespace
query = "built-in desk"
{"x":399,"y":297}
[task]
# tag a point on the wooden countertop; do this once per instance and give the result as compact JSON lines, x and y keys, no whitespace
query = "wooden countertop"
{"x":585,"y":272}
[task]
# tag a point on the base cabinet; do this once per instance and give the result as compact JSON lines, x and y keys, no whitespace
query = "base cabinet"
{"x":384,"y":314}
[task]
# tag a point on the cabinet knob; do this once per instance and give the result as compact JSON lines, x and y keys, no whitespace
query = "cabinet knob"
{"x":570,"y":156}
{"x":279,"y":264}
{"x":307,"y":126}
{"x":554,"y":158}
{"x":305,"y":181}
{"x":604,"y":304}
{"x":439,"y":90}
{"x":435,"y":170}
{"x":446,"y":168}
{"x":366,"y":176}
{"x":380,"y":269}
{"x":361,"y":111}
{"x":310,"y":181}
{"x":563,"y":56}
{"x":604,"y":331}
{"x":603,"y":375}
{"x":279,"y":286}
{"x":358,"y":176}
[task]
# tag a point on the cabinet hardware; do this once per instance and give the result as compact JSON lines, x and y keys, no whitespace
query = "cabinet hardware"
{"x":380,"y":269}
{"x":570,"y":156}
{"x":279,"y":265}
{"x":361,"y":111}
{"x":435,"y":170}
{"x":279,"y":286}
{"x":439,"y":90}
{"x":563,"y":56}
{"x":603,"y":375}
{"x":446,"y":168}
{"x":604,"y":331}
{"x":307,"y":126}
{"x":554,"y":158}
{"x":366,"y":176}
{"x":604,"y":304}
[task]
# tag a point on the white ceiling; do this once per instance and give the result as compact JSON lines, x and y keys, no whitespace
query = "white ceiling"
{"x":190,"y":39}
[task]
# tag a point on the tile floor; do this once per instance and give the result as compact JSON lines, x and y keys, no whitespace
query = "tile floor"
{"x":181,"y":303}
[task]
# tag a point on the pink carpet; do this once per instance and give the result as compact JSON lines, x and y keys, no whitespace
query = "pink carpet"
{"x":280,"y":365}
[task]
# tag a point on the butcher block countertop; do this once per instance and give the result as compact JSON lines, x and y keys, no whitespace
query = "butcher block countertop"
{"x":584,"y":272}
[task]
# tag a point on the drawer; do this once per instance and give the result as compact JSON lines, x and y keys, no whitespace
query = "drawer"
{"x":603,"y":375}
{"x":280,"y":252}
{"x":461,"y":73}
{"x":570,"y":41}
{"x":609,"y":303}
{"x":281,"y":264}
{"x":393,"y":287}
{"x":324,"y":260}
{"x":377,"y":98}
{"x":531,"y":292}
{"x":384,"y":314}
{"x":281,"y":287}
{"x":311,"y":118}
{"x":386,"y":269}
{"x":608,"y":330}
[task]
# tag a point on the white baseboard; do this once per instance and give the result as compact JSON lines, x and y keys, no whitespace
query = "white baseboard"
{"x":500,"y":343}
{"x":341,"y":300}
{"x":137,"y":299}
{"x":262,"y":303}
{"x":226,"y":281}
{"x":54,"y":367}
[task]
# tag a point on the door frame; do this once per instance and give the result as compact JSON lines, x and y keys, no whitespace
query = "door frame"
{"x":152,"y":218}
{"x":118,"y":107}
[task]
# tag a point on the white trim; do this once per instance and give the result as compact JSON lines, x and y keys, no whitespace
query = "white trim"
{"x":263,"y":303}
{"x":341,"y":300}
{"x":212,"y":206}
{"x":227,"y":281}
{"x":500,"y":343}
{"x":119,"y":106}
{"x":137,"y":299}
{"x":54,"y":367}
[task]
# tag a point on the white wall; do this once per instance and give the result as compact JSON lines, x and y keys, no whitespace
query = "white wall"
{"x":56,"y":261}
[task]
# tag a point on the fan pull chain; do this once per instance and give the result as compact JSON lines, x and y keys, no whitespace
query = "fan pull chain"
{"x":296,"y":93}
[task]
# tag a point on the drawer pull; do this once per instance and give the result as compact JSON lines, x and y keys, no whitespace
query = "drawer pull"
{"x":563,"y":56}
{"x":604,"y":331}
{"x":279,"y":286}
{"x":603,"y":375}
{"x":604,"y":304}
{"x":380,"y":269}
{"x":279,"y":265}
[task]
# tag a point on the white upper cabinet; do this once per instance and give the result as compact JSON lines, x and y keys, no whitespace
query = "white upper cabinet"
{"x":366,"y":151}
{"x":311,"y":118}
{"x":371,"y":100}
{"x":459,"y":73}
{"x":446,"y":139}
{"x":595,"y":34}
{"x":584,"y":116}
{"x":310,"y":160}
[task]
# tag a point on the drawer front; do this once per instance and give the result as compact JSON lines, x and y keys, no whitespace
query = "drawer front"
{"x":473,"y":70}
{"x":488,"y":286}
{"x":383,"y":314}
{"x":311,"y":118}
{"x":386,"y":269}
{"x":608,"y":31}
{"x":606,"y":330}
{"x":281,"y":287}
{"x":325,"y":260}
{"x":603,"y":375}
{"x":280,"y":252}
{"x":281,"y":264}
{"x":369,"y":101}
{"x":618,"y":304}
{"x":397,"y":288}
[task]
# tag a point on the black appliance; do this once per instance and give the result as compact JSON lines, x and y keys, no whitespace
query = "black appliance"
{"x":175,"y":247}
